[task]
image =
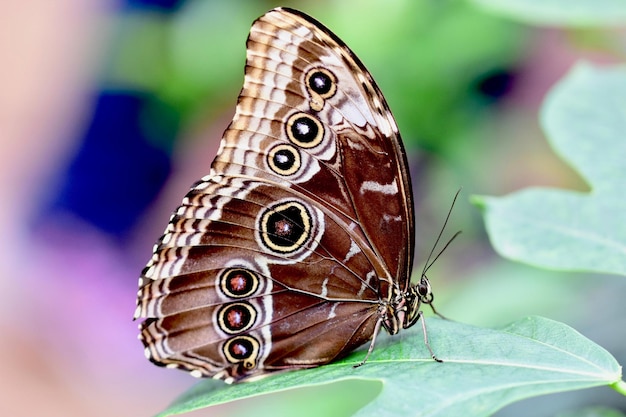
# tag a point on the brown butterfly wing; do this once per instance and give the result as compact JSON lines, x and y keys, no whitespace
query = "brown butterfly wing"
{"x":278,"y":258}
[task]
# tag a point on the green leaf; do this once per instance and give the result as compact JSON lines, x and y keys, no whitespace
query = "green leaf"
{"x":568,"y":13}
{"x":483,"y":370}
{"x":584,"y":118}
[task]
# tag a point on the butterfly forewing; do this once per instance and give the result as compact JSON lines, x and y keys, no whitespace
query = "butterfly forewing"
{"x":281,"y":257}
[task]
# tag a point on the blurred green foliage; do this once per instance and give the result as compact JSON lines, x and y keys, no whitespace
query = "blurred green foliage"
{"x":428,"y":58}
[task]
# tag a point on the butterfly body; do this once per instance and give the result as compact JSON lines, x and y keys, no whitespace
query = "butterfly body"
{"x":297,"y":247}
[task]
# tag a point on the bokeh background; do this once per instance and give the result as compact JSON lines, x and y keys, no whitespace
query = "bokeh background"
{"x":110,"y":110}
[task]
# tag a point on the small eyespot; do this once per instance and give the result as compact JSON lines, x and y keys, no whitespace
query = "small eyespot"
{"x":236,"y":317}
{"x":242,"y":349}
{"x":238,"y":282}
{"x":322,"y":82}
{"x":304,"y":130}
{"x":284,"y":160}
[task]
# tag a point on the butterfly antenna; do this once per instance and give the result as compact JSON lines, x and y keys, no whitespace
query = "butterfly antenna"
{"x":426,"y":268}
{"x":430,"y":263}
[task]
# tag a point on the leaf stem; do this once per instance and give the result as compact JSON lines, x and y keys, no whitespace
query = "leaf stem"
{"x":619,"y":386}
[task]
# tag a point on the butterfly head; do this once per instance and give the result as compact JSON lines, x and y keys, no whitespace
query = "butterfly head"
{"x":423,"y":291}
{"x":403,"y":311}
{"x":417,"y":295}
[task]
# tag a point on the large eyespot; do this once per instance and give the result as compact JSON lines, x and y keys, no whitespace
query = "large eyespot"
{"x":305,"y":130}
{"x":238,"y":282}
{"x":242,"y":349}
{"x":236,"y":317}
{"x":284,"y":159}
{"x":285,"y":227}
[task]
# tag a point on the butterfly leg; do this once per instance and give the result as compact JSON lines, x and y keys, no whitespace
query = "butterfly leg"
{"x":432,"y":354}
{"x":432,"y":307}
{"x":371,"y":347}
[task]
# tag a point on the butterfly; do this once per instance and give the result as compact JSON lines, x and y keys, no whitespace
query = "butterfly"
{"x":297,"y":247}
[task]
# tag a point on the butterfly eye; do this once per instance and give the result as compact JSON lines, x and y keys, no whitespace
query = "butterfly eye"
{"x":423,"y":289}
